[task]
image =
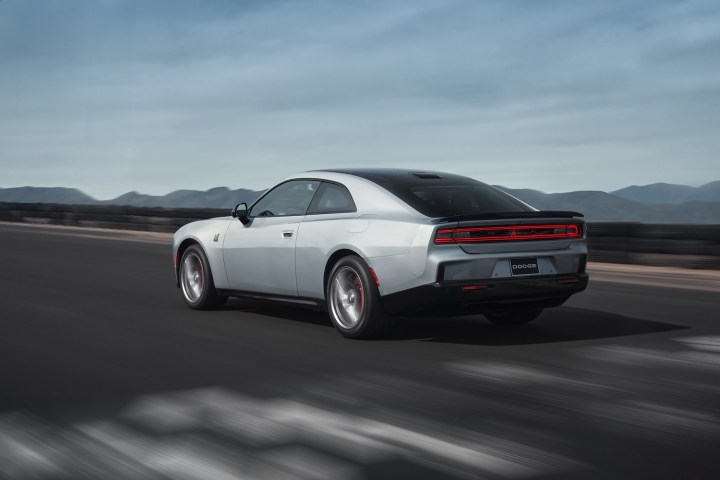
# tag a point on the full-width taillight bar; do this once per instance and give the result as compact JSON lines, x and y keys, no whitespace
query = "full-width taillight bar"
{"x":507,"y":233}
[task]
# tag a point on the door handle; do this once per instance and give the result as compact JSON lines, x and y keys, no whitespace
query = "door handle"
{"x":287,"y":234}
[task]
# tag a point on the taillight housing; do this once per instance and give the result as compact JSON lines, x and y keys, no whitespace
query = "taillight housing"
{"x":507,"y":233}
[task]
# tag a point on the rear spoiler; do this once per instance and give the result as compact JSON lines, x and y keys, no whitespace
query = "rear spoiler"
{"x":509,"y":216}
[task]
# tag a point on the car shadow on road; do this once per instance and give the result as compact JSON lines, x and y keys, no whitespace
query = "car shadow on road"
{"x":563,"y":324}
{"x":279,"y":310}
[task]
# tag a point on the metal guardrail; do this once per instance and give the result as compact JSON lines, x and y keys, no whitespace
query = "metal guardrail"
{"x":690,"y":246}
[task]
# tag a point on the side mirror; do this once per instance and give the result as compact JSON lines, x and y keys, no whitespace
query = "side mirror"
{"x":241,"y":213}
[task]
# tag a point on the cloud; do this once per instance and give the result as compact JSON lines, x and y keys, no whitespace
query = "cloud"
{"x":116,"y":95}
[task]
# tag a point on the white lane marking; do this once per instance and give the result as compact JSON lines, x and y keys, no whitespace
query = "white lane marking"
{"x":676,"y":407}
{"x":176,"y":457}
{"x":346,"y":433}
{"x":176,"y":435}
{"x":648,"y":357}
{"x":710,"y":343}
{"x":517,"y":375}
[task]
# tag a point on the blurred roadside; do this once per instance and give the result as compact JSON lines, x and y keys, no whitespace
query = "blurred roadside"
{"x":673,"y":245}
{"x":670,"y":277}
{"x":670,"y":245}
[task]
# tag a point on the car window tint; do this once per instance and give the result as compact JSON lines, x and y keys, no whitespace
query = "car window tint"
{"x":443,"y":199}
{"x":332,"y":198}
{"x":289,"y":198}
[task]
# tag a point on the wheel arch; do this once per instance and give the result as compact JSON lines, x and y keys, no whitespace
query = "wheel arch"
{"x":343,"y":252}
{"x":371,"y":320}
{"x":184,"y":245}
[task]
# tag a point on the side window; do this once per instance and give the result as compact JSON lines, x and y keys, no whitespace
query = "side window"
{"x":332,"y":198}
{"x":289,"y":198}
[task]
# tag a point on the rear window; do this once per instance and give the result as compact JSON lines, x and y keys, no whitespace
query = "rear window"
{"x":446,"y":198}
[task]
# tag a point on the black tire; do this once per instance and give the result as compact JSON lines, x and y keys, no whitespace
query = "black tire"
{"x":196,"y":281}
{"x":514,"y":317}
{"x":353,"y":300}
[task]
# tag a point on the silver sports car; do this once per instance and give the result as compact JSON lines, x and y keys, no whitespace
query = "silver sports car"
{"x":367,"y":244}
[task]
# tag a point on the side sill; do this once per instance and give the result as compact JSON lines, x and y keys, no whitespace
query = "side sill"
{"x":305,"y":302}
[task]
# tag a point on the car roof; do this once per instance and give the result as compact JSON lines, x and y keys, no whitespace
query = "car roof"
{"x":383,"y":175}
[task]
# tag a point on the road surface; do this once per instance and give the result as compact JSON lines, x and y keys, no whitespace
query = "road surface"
{"x":105,"y":373}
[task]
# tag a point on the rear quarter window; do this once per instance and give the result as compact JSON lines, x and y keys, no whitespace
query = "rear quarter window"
{"x":332,"y":198}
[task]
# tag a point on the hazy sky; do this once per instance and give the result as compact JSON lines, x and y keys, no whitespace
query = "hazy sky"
{"x":117,"y":95}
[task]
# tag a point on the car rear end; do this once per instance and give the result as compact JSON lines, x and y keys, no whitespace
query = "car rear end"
{"x":488,"y":251}
{"x":532,"y":260}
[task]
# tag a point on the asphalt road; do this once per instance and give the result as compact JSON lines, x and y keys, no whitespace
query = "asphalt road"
{"x":105,"y":373}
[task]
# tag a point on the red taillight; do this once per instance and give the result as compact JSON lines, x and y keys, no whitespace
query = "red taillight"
{"x":445,"y":236}
{"x":506,"y":233}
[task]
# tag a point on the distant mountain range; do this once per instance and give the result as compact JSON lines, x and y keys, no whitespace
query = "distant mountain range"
{"x":220,"y":197}
{"x":656,"y":203}
{"x":605,"y":207}
{"x":670,"y":193}
{"x":71,"y":196}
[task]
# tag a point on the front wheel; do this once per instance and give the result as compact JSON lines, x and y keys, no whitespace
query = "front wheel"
{"x":196,"y":282}
{"x":354,"y":300}
{"x":514,"y":317}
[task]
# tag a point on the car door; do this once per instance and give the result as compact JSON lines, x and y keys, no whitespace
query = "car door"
{"x":260,"y":256}
{"x":326,"y":225}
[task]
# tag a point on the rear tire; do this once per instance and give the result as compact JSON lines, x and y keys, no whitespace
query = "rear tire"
{"x":353,"y":300}
{"x":514,"y":317}
{"x":196,"y":281}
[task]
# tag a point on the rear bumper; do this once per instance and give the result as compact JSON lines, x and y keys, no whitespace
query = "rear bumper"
{"x":478,"y":296}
